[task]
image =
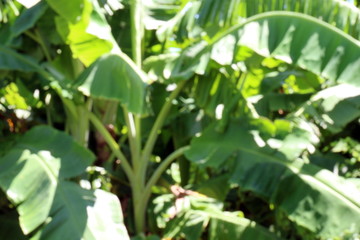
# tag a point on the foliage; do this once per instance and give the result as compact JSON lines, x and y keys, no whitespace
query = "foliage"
{"x":207,"y":119}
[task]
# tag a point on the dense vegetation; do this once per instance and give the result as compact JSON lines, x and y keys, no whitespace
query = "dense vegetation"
{"x":179,"y":119}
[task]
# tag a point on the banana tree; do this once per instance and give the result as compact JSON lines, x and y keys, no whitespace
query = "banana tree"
{"x":241,"y":96}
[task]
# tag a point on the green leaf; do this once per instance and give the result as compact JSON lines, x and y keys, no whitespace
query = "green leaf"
{"x":34,"y":175}
{"x":97,"y":216}
{"x":18,"y":96}
{"x":276,"y":101}
{"x":236,"y":228}
{"x":11,"y":60}
{"x":335,"y":106}
{"x":89,"y":37}
{"x":213,"y":16}
{"x":115,"y":77}
{"x":294,"y":38}
{"x":202,"y":212}
{"x":312,"y":197}
{"x":217,"y":187}
{"x":158,"y":12}
{"x":28,"y":18}
{"x":189,"y":225}
{"x":72,"y":11}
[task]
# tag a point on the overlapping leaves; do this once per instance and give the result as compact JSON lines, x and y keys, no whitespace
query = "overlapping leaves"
{"x":35,"y":176}
{"x":195,"y":213}
{"x":213,"y":16}
{"x":116,"y":77}
{"x":309,"y":195}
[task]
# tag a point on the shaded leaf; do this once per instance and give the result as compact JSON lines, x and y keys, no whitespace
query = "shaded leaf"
{"x":28,"y":18}
{"x":229,"y":226}
{"x":9,"y":226}
{"x":335,"y":106}
{"x":11,"y":60}
{"x":116,"y":77}
{"x":302,"y":190}
{"x":203,"y":212}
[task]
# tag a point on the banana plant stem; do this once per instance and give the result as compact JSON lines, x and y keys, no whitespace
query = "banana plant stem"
{"x":149,"y":146}
{"x":160,"y":169}
{"x":137,"y":31}
{"x":142,"y":194}
{"x":132,"y":132}
{"x":113,"y":146}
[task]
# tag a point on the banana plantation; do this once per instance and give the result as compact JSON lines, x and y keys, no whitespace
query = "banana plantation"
{"x":180,"y":119}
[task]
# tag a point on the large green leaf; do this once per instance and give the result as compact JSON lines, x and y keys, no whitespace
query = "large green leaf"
{"x":236,"y":228}
{"x":212,"y":16}
{"x":294,"y":38}
{"x":89,"y":35}
{"x":189,"y":225}
{"x":198,"y":212}
{"x":116,"y":77}
{"x":34,"y":174}
{"x":314,"y":198}
{"x":11,"y":60}
{"x":71,"y":11}
{"x":28,"y":18}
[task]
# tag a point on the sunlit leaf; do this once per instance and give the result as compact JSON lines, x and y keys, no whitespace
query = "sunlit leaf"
{"x":309,"y":195}
{"x":87,"y":32}
{"x":46,"y":200}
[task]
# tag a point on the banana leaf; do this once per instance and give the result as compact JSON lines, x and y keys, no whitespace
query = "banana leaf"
{"x":116,"y":77}
{"x":312,"y":197}
{"x":35,"y":175}
{"x":213,"y":16}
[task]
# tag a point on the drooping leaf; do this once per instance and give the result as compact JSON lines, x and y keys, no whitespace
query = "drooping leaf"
{"x":312,"y":197}
{"x":294,"y":38}
{"x":11,"y":60}
{"x":28,"y":18}
{"x":34,"y":175}
{"x":300,"y":40}
{"x":116,"y":77}
{"x":213,"y":16}
{"x":200,"y":212}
